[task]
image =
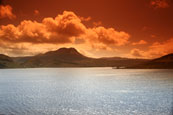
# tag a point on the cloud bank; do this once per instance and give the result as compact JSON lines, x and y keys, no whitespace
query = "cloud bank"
{"x":68,"y":30}
{"x":65,"y":28}
{"x":157,"y":49}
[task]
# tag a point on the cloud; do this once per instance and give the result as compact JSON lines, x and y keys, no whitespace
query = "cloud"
{"x":65,"y":28}
{"x":107,"y":36}
{"x":36,"y":12}
{"x":157,"y":49}
{"x":137,"y":53}
{"x":141,"y":42}
{"x":159,"y":4}
{"x":100,"y":46}
{"x":6,"y":12}
{"x":62,"y":29}
{"x":68,"y":24}
{"x":99,"y":23}
{"x":14,"y":49}
{"x":85,"y":19}
{"x":26,"y":49}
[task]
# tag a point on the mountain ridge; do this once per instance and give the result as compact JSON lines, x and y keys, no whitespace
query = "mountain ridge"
{"x":70,"y":57}
{"x":164,"y":62}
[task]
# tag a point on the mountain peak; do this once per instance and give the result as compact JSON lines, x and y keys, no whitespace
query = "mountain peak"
{"x":68,"y":50}
{"x":65,"y":53}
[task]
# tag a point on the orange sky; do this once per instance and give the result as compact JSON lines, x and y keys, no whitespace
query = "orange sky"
{"x":97,"y":28}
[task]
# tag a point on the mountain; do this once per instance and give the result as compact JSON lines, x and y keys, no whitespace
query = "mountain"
{"x":164,"y":62}
{"x":70,"y":57}
{"x":63,"y":57}
{"x":70,"y":54}
{"x":6,"y":62}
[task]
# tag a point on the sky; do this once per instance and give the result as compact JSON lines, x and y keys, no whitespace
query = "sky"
{"x":96,"y":28}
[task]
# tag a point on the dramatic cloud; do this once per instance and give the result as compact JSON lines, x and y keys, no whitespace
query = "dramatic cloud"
{"x":141,"y":42}
{"x":6,"y":12}
{"x":155,"y":50}
{"x":62,"y":29}
{"x":105,"y":38}
{"x":66,"y":28}
{"x":159,"y":3}
{"x":110,"y":36}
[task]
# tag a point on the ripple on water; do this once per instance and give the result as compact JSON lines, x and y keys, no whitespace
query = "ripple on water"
{"x":80,"y":91}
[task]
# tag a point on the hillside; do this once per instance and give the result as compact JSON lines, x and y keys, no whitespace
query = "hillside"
{"x":62,"y":57}
{"x":70,"y":57}
{"x":7,"y":62}
{"x":164,"y":62}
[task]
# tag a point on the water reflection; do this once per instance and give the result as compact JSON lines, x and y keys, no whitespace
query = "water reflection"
{"x":81,"y":91}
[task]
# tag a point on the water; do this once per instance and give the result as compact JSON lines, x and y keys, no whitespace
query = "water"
{"x":86,"y":91}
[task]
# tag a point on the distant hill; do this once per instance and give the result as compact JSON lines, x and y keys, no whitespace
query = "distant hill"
{"x":70,"y":57}
{"x":6,"y":62}
{"x":164,"y":62}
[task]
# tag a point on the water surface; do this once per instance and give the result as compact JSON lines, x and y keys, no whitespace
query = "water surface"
{"x":86,"y":91}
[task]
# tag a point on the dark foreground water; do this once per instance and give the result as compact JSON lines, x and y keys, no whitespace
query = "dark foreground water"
{"x":86,"y":91}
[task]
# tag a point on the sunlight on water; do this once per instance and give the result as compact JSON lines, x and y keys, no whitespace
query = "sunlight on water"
{"x":82,"y":91}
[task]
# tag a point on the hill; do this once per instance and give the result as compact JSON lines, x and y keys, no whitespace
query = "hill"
{"x":164,"y":62}
{"x":70,"y":57}
{"x":7,"y":62}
